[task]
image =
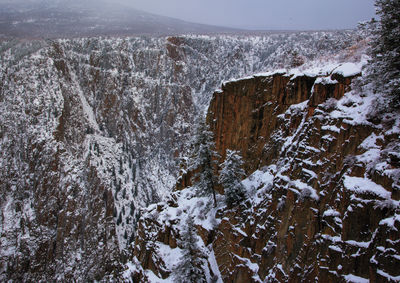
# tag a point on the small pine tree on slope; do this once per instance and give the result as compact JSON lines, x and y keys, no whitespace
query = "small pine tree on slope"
{"x":384,"y":68}
{"x":230,"y":178}
{"x":189,"y":268}
{"x":203,"y":160}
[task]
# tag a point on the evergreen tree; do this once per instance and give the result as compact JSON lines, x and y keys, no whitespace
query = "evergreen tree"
{"x":203,"y":160}
{"x":384,"y":68}
{"x":230,"y":178}
{"x":189,"y":268}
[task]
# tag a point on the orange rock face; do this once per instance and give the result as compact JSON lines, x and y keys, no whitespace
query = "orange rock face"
{"x":246,"y":113}
{"x":291,"y":237}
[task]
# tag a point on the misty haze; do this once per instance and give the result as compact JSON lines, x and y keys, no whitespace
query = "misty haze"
{"x":52,"y":19}
{"x":58,"y":18}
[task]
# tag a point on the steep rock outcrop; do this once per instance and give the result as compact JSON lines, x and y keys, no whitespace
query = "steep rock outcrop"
{"x":245,"y":114}
{"x":324,"y":190}
{"x":315,"y":223}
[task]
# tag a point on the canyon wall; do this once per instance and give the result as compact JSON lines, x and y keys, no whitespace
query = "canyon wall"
{"x":92,"y":131}
{"x":322,"y":193}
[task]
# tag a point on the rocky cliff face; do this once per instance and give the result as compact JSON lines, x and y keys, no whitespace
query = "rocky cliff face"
{"x":91,"y":130}
{"x":246,"y":116}
{"x":323,"y":190}
{"x":326,"y":208}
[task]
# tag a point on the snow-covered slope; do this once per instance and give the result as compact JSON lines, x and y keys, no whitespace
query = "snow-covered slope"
{"x":93,"y":129}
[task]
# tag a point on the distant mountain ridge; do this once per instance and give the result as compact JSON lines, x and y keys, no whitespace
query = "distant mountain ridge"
{"x":55,"y":19}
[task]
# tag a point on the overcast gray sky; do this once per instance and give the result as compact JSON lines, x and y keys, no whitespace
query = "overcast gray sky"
{"x":264,"y":14}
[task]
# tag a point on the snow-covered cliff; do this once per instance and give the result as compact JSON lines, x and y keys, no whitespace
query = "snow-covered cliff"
{"x":322,"y":193}
{"x":92,"y":130}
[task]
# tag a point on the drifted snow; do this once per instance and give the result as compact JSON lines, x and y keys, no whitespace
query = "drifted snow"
{"x":388,"y":276}
{"x":350,"y":69}
{"x":351,"y":278}
{"x":391,"y":221}
{"x":170,"y":256}
{"x":365,"y":185}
